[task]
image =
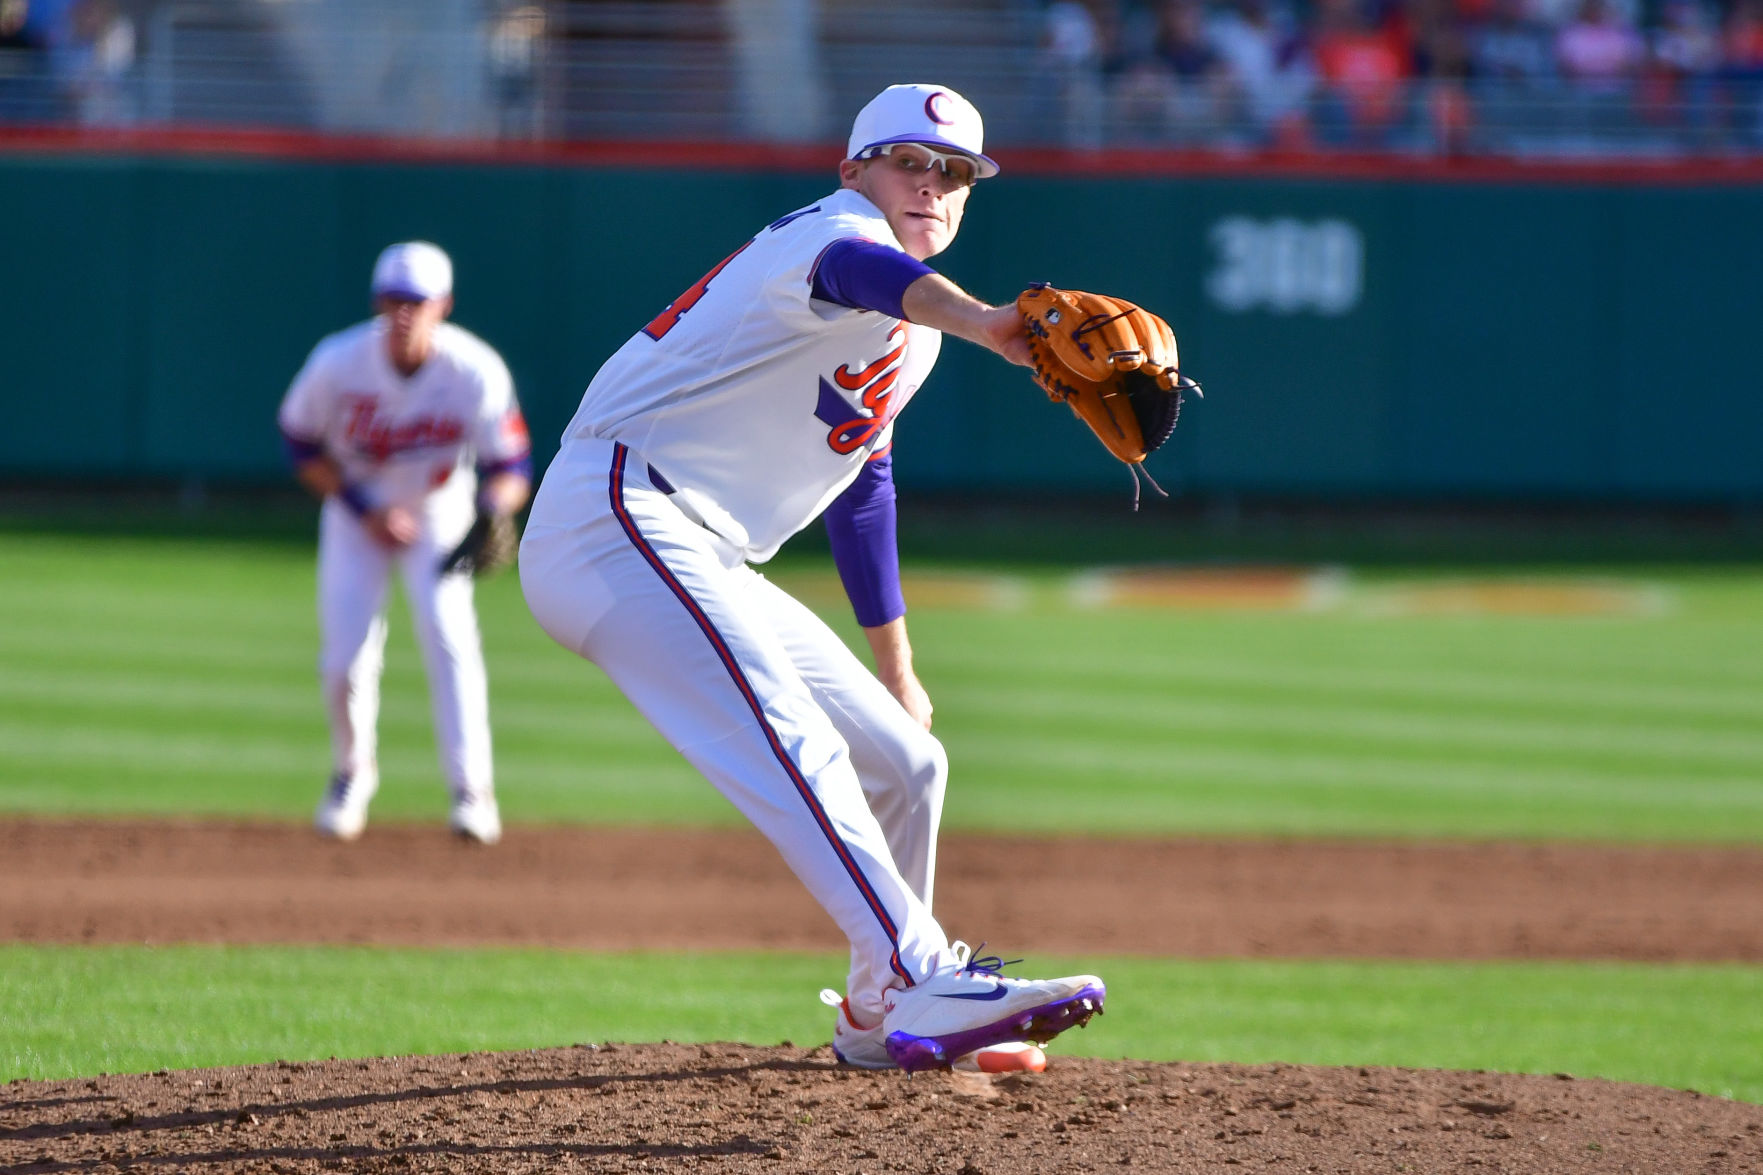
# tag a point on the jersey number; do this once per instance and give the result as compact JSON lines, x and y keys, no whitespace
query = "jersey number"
{"x":669,"y":318}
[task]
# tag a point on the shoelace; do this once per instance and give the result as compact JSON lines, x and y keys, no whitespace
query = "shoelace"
{"x":972,"y":961}
{"x":964,"y":955}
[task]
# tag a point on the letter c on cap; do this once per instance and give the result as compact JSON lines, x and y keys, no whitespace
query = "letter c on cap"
{"x":936,"y":107}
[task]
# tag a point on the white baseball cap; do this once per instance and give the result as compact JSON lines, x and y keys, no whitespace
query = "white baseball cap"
{"x":413,"y":269}
{"x":921,"y":113}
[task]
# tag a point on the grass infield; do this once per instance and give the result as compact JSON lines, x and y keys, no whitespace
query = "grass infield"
{"x":78,"y":1011}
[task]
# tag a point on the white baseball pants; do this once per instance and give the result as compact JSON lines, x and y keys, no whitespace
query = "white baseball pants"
{"x":757,"y":693}
{"x":353,"y":574}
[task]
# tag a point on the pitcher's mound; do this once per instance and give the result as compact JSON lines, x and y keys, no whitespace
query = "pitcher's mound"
{"x":737,"y":1108}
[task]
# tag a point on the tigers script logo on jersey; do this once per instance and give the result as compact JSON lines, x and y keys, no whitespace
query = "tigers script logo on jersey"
{"x":874,"y":385}
{"x":367,"y":432}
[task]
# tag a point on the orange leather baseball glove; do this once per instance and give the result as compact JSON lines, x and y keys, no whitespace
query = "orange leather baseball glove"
{"x":1114,"y":363}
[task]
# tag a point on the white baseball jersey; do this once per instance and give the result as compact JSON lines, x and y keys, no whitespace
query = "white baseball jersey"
{"x":722,"y":428}
{"x":407,"y":441}
{"x":758,"y":402}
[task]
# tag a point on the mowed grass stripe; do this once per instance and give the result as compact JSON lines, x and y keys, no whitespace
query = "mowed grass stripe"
{"x":1716,"y":677}
{"x":1164,"y":722}
{"x":1328,"y":721}
{"x":62,"y":696}
{"x":86,"y":1010}
{"x":49,"y":717}
{"x":1066,"y":803}
{"x":1684,"y":648}
{"x":239,"y":752}
{"x":61,"y":692}
{"x":1173,"y":766}
{"x":1422,"y":687}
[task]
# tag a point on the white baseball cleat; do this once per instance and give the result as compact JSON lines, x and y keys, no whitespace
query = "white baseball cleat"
{"x":866,"y":1048}
{"x":971,"y":1006}
{"x":474,"y":817}
{"x":342,"y":813}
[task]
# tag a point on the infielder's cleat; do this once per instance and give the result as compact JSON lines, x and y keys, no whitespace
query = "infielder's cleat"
{"x":343,"y":811}
{"x":866,"y":1048}
{"x":971,"y":1007}
{"x":475,"y":818}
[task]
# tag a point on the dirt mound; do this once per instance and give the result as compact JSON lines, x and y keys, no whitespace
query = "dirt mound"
{"x":736,"y":1108}
{"x":733,"y":1108}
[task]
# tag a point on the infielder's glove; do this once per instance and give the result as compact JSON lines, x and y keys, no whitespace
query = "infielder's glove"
{"x":487,"y":547}
{"x":1114,"y":363}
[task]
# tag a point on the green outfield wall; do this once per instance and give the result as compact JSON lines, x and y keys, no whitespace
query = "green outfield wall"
{"x":1509,"y":339}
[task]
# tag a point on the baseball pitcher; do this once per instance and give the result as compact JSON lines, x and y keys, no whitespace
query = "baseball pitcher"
{"x":765,"y":393}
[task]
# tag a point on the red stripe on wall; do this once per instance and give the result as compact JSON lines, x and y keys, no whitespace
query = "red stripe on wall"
{"x":1121,"y":163}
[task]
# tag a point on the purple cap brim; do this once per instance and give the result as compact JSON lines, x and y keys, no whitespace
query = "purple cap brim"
{"x":402,"y":294}
{"x":988,"y":167}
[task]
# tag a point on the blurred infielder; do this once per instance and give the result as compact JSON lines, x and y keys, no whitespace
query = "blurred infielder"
{"x":763,"y":395}
{"x":407,"y":427}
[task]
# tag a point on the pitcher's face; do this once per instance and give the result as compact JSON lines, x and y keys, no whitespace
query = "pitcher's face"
{"x":921,"y":192}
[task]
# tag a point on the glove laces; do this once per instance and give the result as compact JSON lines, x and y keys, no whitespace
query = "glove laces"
{"x":1138,"y":470}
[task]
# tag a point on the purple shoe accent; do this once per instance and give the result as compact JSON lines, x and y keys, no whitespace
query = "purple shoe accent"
{"x":1041,"y":1024}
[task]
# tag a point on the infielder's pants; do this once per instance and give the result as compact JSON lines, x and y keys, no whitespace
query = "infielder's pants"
{"x":757,"y":693}
{"x":353,"y":574}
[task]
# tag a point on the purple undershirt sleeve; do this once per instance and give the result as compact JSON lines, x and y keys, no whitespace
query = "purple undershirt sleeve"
{"x":299,"y":450}
{"x":865,"y":275}
{"x":861,"y":524}
{"x":522,"y":465}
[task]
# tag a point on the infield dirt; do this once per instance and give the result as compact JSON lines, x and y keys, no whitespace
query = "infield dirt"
{"x":737,"y":1108}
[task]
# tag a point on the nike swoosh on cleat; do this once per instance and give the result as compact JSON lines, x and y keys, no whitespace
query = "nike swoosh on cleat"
{"x":997,"y":993}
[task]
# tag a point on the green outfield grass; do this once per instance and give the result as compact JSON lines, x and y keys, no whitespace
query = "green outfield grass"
{"x":175,"y":675}
{"x":191,"y":1007}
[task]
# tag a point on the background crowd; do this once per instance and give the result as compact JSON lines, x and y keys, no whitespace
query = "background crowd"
{"x":1513,"y":77}
{"x":1553,"y":75}
{"x":66,"y":61}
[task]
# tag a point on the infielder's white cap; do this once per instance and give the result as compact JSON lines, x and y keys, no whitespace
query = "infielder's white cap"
{"x":920,"y":113}
{"x":413,"y":269}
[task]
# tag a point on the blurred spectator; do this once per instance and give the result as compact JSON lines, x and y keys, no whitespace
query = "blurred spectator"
{"x":1682,"y":61}
{"x":1685,"y":44}
{"x":1442,"y":67}
{"x":1268,"y":71}
{"x":516,"y":35}
{"x":25,"y":92}
{"x":1742,"y":39}
{"x":1741,"y":71}
{"x":1075,"y":46}
{"x":1513,"y":51}
{"x":1599,"y":52}
{"x":1363,"y":70}
{"x":1173,"y":91}
{"x":779,"y":78}
{"x":94,"y":64}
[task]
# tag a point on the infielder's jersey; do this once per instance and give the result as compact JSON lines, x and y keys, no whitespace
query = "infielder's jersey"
{"x":759,"y":402}
{"x":409,"y":441}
